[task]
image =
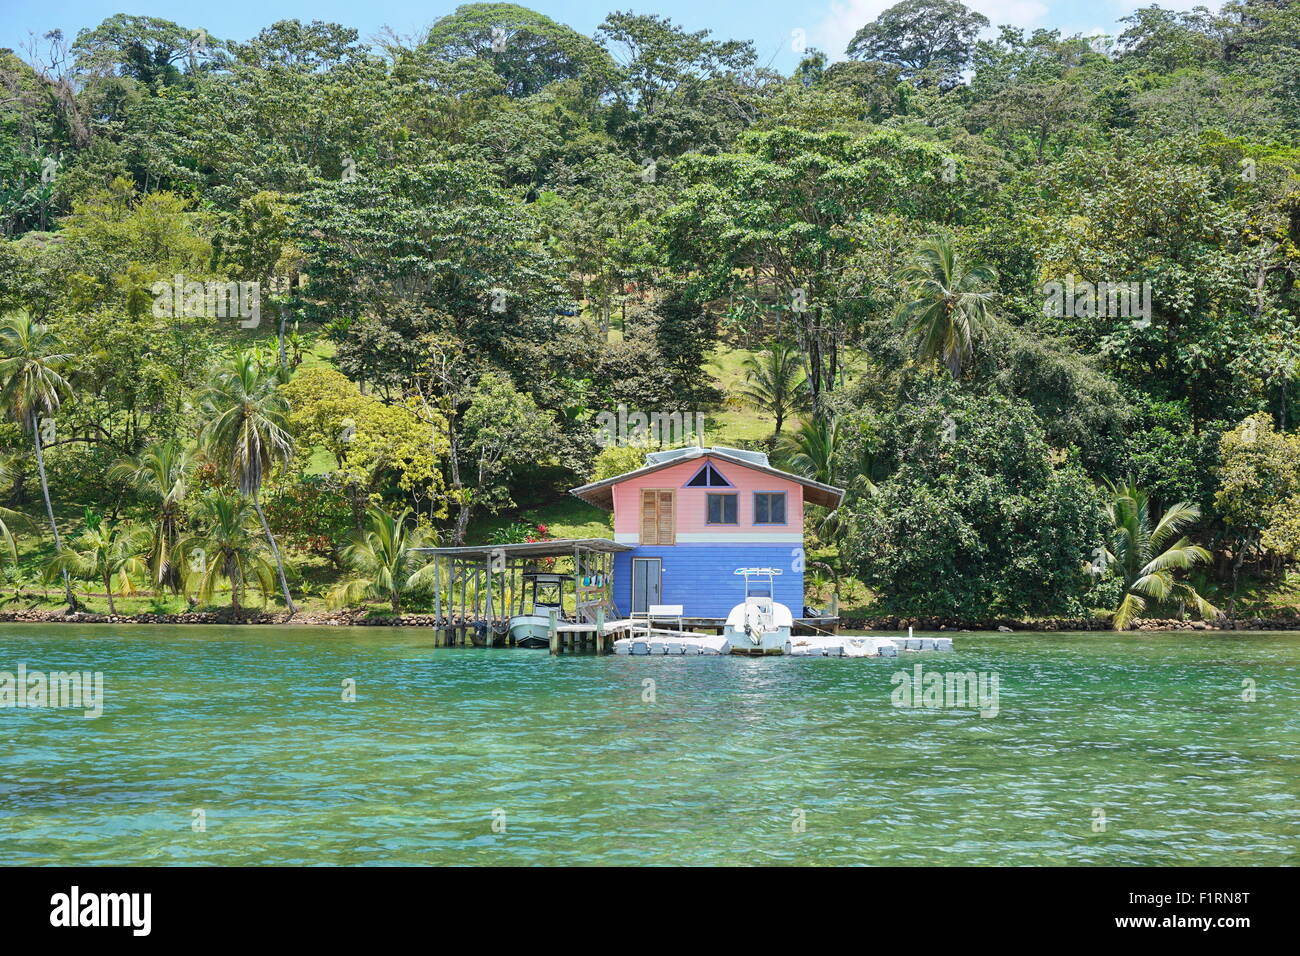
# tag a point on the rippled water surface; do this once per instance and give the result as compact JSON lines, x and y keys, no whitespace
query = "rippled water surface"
{"x":249,"y":726}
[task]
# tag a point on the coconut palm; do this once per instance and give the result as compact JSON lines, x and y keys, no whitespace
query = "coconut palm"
{"x":946,"y":304}
{"x":226,"y":552}
{"x":247,"y":431}
{"x":32,"y":386}
{"x":161,"y":472}
{"x":104,"y":551}
{"x":775,"y":382}
{"x":1146,"y":557}
{"x":817,"y":450}
{"x":8,"y":516}
{"x":384,"y":557}
{"x":810,"y":449}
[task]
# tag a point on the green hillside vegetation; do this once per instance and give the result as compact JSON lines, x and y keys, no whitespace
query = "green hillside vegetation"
{"x":273,"y":308}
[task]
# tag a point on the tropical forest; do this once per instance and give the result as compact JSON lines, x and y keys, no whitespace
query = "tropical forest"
{"x":276,"y":311}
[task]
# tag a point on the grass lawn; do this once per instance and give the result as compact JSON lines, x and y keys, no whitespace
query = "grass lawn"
{"x":567,"y":517}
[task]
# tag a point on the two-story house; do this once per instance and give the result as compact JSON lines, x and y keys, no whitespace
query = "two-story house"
{"x":692,"y":516}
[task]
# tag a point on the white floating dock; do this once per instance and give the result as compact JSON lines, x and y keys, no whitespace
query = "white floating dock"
{"x":671,"y":642}
{"x":847,"y":645}
{"x":850,"y":646}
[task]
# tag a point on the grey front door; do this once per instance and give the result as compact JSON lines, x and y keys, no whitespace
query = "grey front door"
{"x":647,"y":583}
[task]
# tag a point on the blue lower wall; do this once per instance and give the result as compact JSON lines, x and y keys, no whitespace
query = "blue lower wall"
{"x":701,"y":577}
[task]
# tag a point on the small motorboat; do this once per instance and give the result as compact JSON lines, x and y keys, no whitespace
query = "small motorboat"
{"x":760,"y":621}
{"x":534,"y":629}
{"x":488,"y":635}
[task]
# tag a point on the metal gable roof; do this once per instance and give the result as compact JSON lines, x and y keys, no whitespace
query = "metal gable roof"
{"x":601,"y":493}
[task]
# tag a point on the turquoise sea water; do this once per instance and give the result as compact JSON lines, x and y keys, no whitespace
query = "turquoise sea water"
{"x":736,"y":760}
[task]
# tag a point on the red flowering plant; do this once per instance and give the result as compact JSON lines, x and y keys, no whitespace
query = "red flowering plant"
{"x":521,"y":531}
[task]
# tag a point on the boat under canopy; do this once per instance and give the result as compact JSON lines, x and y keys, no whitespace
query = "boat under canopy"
{"x":497,"y":585}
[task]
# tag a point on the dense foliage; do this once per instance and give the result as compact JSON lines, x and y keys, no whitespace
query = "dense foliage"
{"x":977,"y":518}
{"x":266,"y":297}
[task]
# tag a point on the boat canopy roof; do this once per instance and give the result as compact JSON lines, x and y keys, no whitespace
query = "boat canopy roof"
{"x":547,"y":577}
{"x":563,"y":547}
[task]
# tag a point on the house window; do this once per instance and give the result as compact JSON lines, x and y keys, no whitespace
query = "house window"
{"x":708,"y":477}
{"x":769,"y":507}
{"x":658,"y":516}
{"x":722,"y":509}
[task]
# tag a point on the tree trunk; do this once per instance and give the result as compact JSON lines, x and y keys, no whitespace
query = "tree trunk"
{"x":279,"y":564}
{"x":458,"y":487}
{"x":108,"y":593}
{"x":283,"y":309}
{"x":284,"y":363}
{"x":49,"y":508}
{"x":462,"y":523}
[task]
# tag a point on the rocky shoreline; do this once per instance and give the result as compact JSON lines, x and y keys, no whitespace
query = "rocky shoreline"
{"x":1066,"y":624}
{"x":364,"y":619}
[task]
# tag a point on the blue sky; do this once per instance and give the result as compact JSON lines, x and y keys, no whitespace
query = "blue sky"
{"x":827,"y":24}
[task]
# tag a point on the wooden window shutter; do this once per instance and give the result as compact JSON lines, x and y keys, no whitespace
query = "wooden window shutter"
{"x":658,"y":516}
{"x":667,"y":518}
{"x":649,"y":525}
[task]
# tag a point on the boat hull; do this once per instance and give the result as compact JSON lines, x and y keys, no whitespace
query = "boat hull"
{"x":768,"y":640}
{"x":769,"y":624}
{"x":530,"y":630}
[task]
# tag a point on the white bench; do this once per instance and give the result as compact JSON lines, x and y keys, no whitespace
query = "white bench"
{"x":657,"y":612}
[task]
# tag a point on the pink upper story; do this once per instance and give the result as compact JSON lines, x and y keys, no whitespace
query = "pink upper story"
{"x":692,"y":503}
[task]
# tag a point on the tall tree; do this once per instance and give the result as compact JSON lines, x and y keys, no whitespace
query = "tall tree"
{"x":787,"y":220}
{"x":32,"y":386}
{"x":921,"y":35}
{"x":527,"y":49}
{"x":246,"y":432}
{"x":161,"y":472}
{"x":678,"y":90}
{"x":947,"y":304}
{"x":428,"y":247}
{"x":225,"y":550}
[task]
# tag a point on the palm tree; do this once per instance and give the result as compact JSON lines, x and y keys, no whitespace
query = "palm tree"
{"x":774,"y":382}
{"x":946,"y":304}
{"x":104,"y":551}
{"x":225,"y":552}
{"x":7,"y":515}
{"x":383,"y":554}
{"x":810,"y":450}
{"x":1146,"y":557}
{"x":33,"y":385}
{"x":161,"y":471}
{"x":247,"y":430}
